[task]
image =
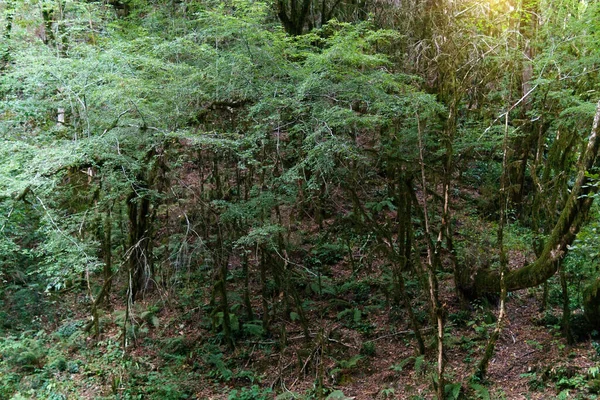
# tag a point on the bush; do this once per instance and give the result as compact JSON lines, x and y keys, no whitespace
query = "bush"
{"x":67,"y":329}
{"x":25,"y":354}
{"x":252,"y":393}
{"x":59,"y":364}
{"x":177,"y":346}
{"x":368,"y":349}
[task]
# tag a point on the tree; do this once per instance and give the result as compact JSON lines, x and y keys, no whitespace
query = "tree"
{"x":563,"y":233}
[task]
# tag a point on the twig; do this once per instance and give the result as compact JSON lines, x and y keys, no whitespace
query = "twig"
{"x":410,"y":331}
{"x":342,"y":343}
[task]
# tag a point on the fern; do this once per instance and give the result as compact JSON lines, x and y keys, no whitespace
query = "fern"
{"x":480,"y":391}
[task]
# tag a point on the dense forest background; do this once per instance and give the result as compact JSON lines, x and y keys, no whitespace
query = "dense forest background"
{"x":299,"y":198}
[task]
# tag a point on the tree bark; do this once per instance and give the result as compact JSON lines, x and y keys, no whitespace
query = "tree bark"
{"x":293,"y":23}
{"x":139,"y":241}
{"x":437,"y":309}
{"x":5,"y":56}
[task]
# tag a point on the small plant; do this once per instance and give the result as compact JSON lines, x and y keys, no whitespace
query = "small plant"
{"x":481,"y":392}
{"x":233,"y":321}
{"x":343,"y":368}
{"x":68,"y":329}
{"x":72,"y":367}
{"x":418,"y":363}
{"x":387,"y":393}
{"x":59,"y":364}
{"x":252,"y":393}
{"x":253,"y":329}
{"x":176,"y":346}
{"x":402,"y":364}
{"x":535,"y":344}
{"x":25,"y":354}
{"x":596,"y":347}
{"x":368,"y":349}
{"x":350,"y":316}
{"x":338,"y":395}
{"x":574,"y":382}
{"x":452,"y":391}
{"x":150,"y":319}
{"x":220,"y":370}
{"x":534,"y":382}
{"x":460,"y":318}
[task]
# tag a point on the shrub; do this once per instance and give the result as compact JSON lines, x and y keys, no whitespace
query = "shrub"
{"x":368,"y":349}
{"x":252,"y":393}
{"x":67,"y":329}
{"x":25,"y":354}
{"x":59,"y":364}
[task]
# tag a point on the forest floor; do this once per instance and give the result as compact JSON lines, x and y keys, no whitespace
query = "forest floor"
{"x":368,"y":357}
{"x":357,"y":344}
{"x":532,"y":361}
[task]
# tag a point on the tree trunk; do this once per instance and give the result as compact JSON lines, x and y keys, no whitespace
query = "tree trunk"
{"x":566,"y":317}
{"x":5,"y":56}
{"x":139,"y":257}
{"x":504,"y":196}
{"x":591,"y":304}
{"x":293,"y":22}
{"x":437,"y":309}
{"x":48,"y":17}
{"x":107,"y":257}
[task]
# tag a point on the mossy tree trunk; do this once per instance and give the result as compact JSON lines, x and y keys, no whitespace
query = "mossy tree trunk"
{"x":293,"y":15}
{"x":107,"y":252}
{"x":139,"y":241}
{"x":5,"y":56}
{"x":591,"y":304}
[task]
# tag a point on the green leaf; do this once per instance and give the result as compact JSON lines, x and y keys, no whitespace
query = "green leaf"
{"x":452,"y":391}
{"x":400,"y":366}
{"x":338,"y":395}
{"x":481,"y":391}
{"x":419,"y":361}
{"x":357,"y":315}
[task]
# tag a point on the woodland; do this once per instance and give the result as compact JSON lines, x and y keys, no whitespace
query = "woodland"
{"x":299,"y":199}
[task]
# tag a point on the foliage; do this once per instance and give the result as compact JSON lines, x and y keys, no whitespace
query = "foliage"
{"x":254,"y":392}
{"x":249,"y":176}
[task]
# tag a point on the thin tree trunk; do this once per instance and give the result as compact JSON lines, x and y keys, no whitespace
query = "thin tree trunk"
{"x":139,"y":257}
{"x":436,"y":307}
{"x":221,"y":286}
{"x":128,"y":302}
{"x":107,"y":257}
{"x":10,"y":12}
{"x":247,"y":304}
{"x":396,"y":258}
{"x":504,"y":198}
{"x":263,"y":294}
{"x":48,"y":17}
{"x":566,"y":317}
{"x":405,"y":244}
